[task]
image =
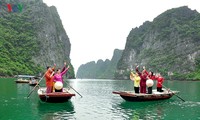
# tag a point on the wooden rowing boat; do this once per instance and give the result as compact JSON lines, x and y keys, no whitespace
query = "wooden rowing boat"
{"x":22,"y":81}
{"x":135,"y":97}
{"x":23,"y":78}
{"x":54,"y":97}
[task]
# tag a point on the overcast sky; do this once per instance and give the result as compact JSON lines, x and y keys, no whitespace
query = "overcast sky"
{"x":97,"y":27}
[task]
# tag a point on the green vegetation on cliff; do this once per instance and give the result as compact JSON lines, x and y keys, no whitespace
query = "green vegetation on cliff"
{"x":101,"y":69}
{"x":17,"y":44}
{"x":28,"y":39}
{"x":170,"y":44}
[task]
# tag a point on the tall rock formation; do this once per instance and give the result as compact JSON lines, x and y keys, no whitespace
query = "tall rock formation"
{"x":169,"y":45}
{"x":43,"y":40}
{"x":101,"y":69}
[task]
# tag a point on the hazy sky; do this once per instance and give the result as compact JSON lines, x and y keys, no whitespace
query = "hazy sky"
{"x":97,"y":27}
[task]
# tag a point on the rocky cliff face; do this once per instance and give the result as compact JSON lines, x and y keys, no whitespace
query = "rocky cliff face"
{"x":169,"y":45}
{"x":101,"y":69}
{"x":55,"y":45}
{"x":51,"y":43}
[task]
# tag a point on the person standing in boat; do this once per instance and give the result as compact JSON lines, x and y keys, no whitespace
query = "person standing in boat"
{"x":49,"y":78}
{"x":143,"y":77}
{"x":160,"y":81}
{"x":150,"y":78}
{"x":58,"y":77}
{"x":136,"y":79}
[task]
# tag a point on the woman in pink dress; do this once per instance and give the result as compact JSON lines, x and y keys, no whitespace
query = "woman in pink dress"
{"x":58,"y":77}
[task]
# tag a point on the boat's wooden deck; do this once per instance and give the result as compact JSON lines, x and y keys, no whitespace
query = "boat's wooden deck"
{"x":154,"y":92}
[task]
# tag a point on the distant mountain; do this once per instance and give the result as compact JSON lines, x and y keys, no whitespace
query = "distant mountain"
{"x":101,"y":69}
{"x":32,"y":39}
{"x":170,"y":44}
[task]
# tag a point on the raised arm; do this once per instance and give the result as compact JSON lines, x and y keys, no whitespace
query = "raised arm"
{"x":136,"y":69}
{"x":64,"y":67}
{"x":53,"y":68}
{"x":132,"y":75}
{"x":65,"y":70}
{"x":145,"y":71}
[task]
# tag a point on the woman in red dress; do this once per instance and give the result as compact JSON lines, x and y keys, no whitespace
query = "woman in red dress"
{"x":143,"y":76}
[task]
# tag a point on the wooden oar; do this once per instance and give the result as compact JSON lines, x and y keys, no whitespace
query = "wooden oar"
{"x":174,"y":94}
{"x":36,"y":85}
{"x":73,"y":88}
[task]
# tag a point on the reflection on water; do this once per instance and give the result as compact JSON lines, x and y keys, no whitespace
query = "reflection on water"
{"x":142,"y":110}
{"x":55,"y":111}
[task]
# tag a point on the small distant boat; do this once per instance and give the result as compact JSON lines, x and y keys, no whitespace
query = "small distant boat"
{"x":33,"y":82}
{"x":135,"y":97}
{"x":54,"y":97}
{"x":23,"y":78}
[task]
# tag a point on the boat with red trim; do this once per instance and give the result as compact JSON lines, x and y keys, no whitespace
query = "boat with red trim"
{"x":54,"y":97}
{"x":135,"y":97}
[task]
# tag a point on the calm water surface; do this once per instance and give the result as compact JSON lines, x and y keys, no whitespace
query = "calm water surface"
{"x":98,"y":102}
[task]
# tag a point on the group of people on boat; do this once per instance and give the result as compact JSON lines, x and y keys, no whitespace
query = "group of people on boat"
{"x":144,"y":80}
{"x":55,"y":78}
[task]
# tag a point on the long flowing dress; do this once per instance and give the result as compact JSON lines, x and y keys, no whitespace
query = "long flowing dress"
{"x":59,"y":77}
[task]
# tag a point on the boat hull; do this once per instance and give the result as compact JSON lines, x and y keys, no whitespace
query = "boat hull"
{"x":22,"y":81}
{"x":155,"y":96}
{"x":55,"y":97}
